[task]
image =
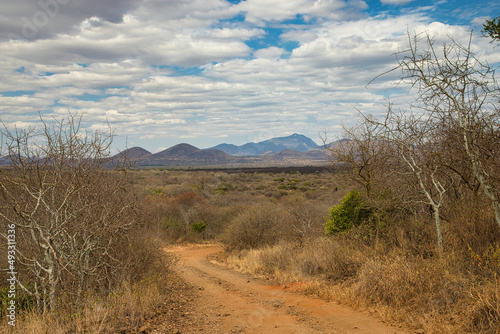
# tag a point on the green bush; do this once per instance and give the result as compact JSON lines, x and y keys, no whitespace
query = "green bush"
{"x":24,"y":302}
{"x":352,"y":211}
{"x":199,"y":227}
{"x":222,"y":188}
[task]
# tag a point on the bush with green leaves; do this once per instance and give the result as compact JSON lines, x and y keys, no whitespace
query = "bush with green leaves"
{"x":198,"y":227}
{"x":352,"y":211}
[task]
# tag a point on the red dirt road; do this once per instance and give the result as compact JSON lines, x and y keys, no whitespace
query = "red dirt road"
{"x":232,"y":302}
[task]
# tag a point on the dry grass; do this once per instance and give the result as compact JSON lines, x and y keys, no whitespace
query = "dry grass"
{"x":128,"y":308}
{"x":275,"y":230}
{"x":430,"y":294}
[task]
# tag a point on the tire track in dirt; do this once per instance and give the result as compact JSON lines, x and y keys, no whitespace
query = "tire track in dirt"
{"x":243,"y":304}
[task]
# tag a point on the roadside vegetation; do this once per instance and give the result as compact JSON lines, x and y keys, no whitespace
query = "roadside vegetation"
{"x":389,"y":263}
{"x":77,"y":255}
{"x":417,"y":239}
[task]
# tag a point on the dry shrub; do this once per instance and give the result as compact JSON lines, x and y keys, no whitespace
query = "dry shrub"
{"x":259,"y":225}
{"x":425,"y":293}
{"x":483,"y":315}
{"x":270,"y":261}
{"x":320,"y":258}
{"x":308,"y":217}
{"x":189,"y":199}
{"x":123,"y":311}
{"x":473,"y":228}
{"x":334,"y":260}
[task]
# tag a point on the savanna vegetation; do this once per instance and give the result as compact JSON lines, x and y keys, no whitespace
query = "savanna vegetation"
{"x":78,"y":257}
{"x":416,"y":240}
{"x":406,"y":225}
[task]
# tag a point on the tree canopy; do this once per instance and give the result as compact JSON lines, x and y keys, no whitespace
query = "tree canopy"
{"x":491,"y":28}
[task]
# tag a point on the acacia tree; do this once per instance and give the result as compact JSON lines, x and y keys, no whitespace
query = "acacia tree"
{"x":461,"y":93}
{"x":417,"y":145}
{"x":362,"y":149}
{"x":491,"y":28}
{"x":68,"y":210}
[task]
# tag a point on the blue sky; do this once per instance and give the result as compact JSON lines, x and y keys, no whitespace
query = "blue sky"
{"x":162,"y":72}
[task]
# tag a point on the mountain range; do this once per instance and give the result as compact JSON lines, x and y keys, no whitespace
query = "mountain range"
{"x":294,"y":150}
{"x":294,"y":142}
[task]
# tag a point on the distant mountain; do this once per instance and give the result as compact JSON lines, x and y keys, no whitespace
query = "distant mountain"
{"x":5,"y":160}
{"x":186,"y":155}
{"x":295,"y":142}
{"x":316,"y":155}
{"x":292,"y":150}
{"x":287,"y":154}
{"x":228,"y":148}
{"x":133,"y":154}
{"x":130,"y":156}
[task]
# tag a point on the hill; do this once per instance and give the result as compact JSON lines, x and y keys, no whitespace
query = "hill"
{"x":186,"y":155}
{"x":294,"y":150}
{"x":295,"y":142}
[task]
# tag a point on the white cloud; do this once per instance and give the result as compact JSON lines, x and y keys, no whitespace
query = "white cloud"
{"x":138,"y":68}
{"x":259,"y":11}
{"x":135,"y":39}
{"x":238,"y":33}
{"x":32,"y":20}
{"x":395,"y":2}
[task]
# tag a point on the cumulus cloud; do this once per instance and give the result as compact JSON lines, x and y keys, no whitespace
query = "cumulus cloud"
{"x":395,"y":2}
{"x":162,"y":70}
{"x":259,"y":11}
{"x":31,"y":20}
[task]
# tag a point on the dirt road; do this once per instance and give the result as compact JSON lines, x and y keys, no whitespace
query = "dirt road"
{"x":232,"y":302}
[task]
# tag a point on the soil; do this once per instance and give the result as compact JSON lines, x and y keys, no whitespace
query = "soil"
{"x":214,"y":299}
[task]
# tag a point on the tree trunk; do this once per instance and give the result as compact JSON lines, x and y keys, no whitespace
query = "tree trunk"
{"x":437,"y":221}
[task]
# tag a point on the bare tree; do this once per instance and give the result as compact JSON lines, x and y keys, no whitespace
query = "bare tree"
{"x":362,"y":149}
{"x":418,"y":147}
{"x":459,"y":89}
{"x":68,"y":210}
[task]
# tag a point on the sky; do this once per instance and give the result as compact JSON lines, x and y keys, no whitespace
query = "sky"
{"x":205,"y":72}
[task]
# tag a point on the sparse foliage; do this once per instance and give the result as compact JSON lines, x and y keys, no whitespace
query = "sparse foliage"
{"x":459,"y":92}
{"x":363,"y":151}
{"x":70,"y":213}
{"x":491,"y":28}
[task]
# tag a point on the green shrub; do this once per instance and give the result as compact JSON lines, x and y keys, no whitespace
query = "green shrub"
{"x":24,"y":302}
{"x":223,"y":188}
{"x":158,"y":191}
{"x":199,"y":227}
{"x":352,"y":211}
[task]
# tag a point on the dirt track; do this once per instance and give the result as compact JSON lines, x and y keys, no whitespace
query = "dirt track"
{"x":232,"y":302}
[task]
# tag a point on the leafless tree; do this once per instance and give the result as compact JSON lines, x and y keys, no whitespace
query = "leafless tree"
{"x":414,"y":136}
{"x":461,"y":91}
{"x":363,"y":150}
{"x":68,"y":210}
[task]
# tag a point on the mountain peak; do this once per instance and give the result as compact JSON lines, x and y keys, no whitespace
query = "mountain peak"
{"x":180,"y":149}
{"x":132,"y":154}
{"x":295,"y":142}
